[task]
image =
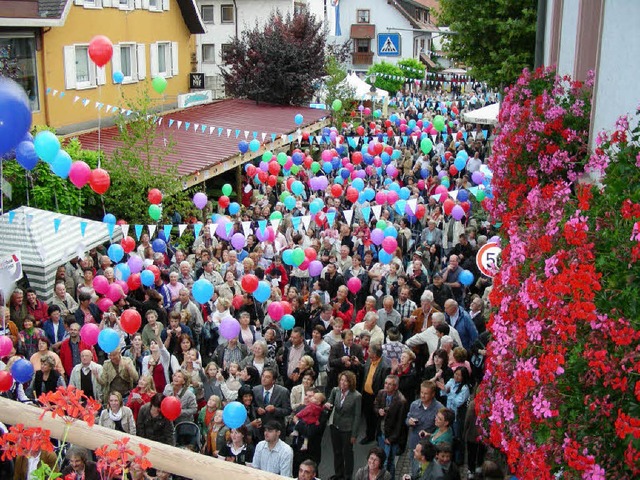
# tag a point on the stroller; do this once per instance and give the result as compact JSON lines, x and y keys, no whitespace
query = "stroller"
{"x":187,"y":435}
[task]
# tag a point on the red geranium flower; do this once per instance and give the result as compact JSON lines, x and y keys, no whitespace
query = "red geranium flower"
{"x":28,"y":442}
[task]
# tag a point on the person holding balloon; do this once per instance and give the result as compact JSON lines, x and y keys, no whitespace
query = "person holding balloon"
{"x":180,"y":388}
{"x":152,"y":424}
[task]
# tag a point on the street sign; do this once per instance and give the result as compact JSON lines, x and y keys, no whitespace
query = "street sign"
{"x":388,"y":44}
{"x":488,"y":259}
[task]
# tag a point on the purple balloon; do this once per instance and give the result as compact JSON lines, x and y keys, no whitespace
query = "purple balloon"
{"x":391,"y":170}
{"x":361,"y":174}
{"x":377,"y":236}
{"x":477,"y":177}
{"x":238,"y":241}
{"x":260,"y":236}
{"x":264,"y":166}
{"x":135,"y":263}
{"x":323,"y":183}
{"x":495,"y":239}
{"x":229,"y":328}
{"x":200,"y":200}
{"x":442,"y":174}
{"x":457,"y":212}
{"x":313,"y":183}
{"x":221,"y":229}
{"x":315,"y":268}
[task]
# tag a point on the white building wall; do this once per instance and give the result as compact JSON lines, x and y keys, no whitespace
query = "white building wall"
{"x":548,"y":26}
{"x":568,"y":38}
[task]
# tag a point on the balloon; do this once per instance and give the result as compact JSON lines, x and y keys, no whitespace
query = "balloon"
{"x":108,"y":339}
{"x":336,"y":190}
{"x":171,"y":408}
{"x":237,"y":302}
{"x":460,"y":163}
{"x":310,"y":253}
{"x":116,"y":252}
{"x":100,"y":284}
{"x":159,"y":245}
{"x":15,"y":115}
{"x":89,"y":333}
{"x":336,"y":105}
{"x":389,"y":245}
{"x":298,"y":119}
{"x":457,"y":212}
{"x":109,"y":218}
{"x":466,"y":278}
{"x":234,"y":414}
{"x":286,"y":306}
{"x":315,"y":268}
{"x":391,"y":231}
{"x":130,"y":321}
{"x":155,"y":212}
{"x":448,"y":205}
{"x":46,"y":145}
{"x":154,"y":196}
{"x":223,"y":201}
{"x":200,"y":200}
{"x":276,"y":311}
{"x":463,"y":195}
{"x":6,"y":381}
{"x":99,"y":181}
{"x":100,"y":50}
{"x":5,"y":346}
{"x":384,"y":257}
{"x":249,"y":283}
{"x":135,"y":263}
{"x":123,"y":285}
{"x":229,"y":328}
{"x":287,"y":322}
{"x":426,"y":145}
{"x":122,"y":272}
{"x":147,"y":278}
{"x":238,"y":241}
{"x":297,"y":187}
{"x":159,"y":84}
{"x":354,"y":284}
{"x":438,"y":123}
{"x":243,"y":147}
{"x":156,"y":272}
{"x":377,"y":236}
{"x":22,"y":370}
{"x":134,"y":281}
{"x":26,"y":155}
{"x":480,"y":195}
{"x":297,"y":256}
{"x":226,"y":189}
{"x":114,"y":293}
{"x":263,"y":292}
{"x":202,"y":290}
{"x":118,"y":77}
{"x":254,"y":145}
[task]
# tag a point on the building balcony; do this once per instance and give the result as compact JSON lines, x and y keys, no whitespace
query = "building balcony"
{"x":362,"y":58}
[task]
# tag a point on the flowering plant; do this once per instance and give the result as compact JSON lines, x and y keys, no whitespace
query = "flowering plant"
{"x":560,"y":393}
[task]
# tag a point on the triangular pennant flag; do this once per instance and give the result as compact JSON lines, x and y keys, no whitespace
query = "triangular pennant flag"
{"x":311,"y":137}
{"x":228,"y":132}
{"x":181,"y":228}
{"x":295,"y":221}
{"x":255,"y":134}
{"x":454,"y":194}
{"x":246,"y":134}
{"x":331,"y":217}
{"x":196,"y":229}
{"x":110,"y":228}
{"x":152,"y":230}
{"x":211,"y":129}
{"x":264,"y":135}
{"x":262,"y":225}
{"x":220,"y":129}
{"x":212,"y":229}
{"x":246,"y":228}
{"x":464,"y":135}
{"x":273,"y":137}
{"x":435,"y":197}
{"x":83,"y":228}
{"x":473,"y":191}
{"x":377,"y":210}
{"x":348,"y":215}
{"x":125,"y":230}
{"x":62,"y":94}
{"x":413,"y":204}
{"x":12,"y":215}
{"x":228,"y":227}
{"x":179,"y":124}
{"x":56,"y":224}
{"x":473,"y":134}
{"x":485,"y":132}
{"x":404,"y":139}
{"x":366,"y":213}
{"x":196,"y":126}
{"x":138,"y":229}
{"x":433,"y":137}
{"x":306,"y":219}
{"x":167,"y":231}
{"x":171,"y":120}
{"x":187,"y":125}
{"x":275,"y":223}
{"x":76,"y":98}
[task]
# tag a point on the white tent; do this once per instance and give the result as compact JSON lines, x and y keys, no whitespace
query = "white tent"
{"x":363,"y":89}
{"x":486,"y":115}
{"x":45,"y":240}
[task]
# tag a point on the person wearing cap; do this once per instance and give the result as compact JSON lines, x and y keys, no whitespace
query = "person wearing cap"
{"x":272,"y":454}
{"x":441,"y":292}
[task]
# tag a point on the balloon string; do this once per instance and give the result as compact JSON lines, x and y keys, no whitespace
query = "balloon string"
{"x":99,"y":119}
{"x":55,"y":196}
{"x":26,"y":176}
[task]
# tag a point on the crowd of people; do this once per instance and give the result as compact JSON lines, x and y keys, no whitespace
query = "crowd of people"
{"x":397,"y":359}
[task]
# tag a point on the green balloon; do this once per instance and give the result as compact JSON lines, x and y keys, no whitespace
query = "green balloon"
{"x":282,"y":158}
{"x":336,"y":105}
{"x":377,"y":113}
{"x":275,"y":216}
{"x":451,"y":124}
{"x":266,"y":156}
{"x":295,"y":169}
{"x":426,"y":145}
{"x":297,"y":256}
{"x":226,"y":189}
{"x":480,"y":195}
{"x":315,"y":167}
{"x":284,"y":195}
{"x":155,"y":212}
{"x":381,"y":224}
{"x":438,"y":123}
{"x":159,"y":84}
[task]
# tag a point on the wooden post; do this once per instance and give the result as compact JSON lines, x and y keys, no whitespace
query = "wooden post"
{"x":171,"y":459}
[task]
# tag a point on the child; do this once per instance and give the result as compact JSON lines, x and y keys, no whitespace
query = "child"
{"x":310,"y":415}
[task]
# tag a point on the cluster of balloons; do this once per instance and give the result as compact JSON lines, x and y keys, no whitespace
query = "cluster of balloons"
{"x":155,"y":199}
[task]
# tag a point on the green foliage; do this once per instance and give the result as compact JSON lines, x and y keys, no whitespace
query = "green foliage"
{"x":336,"y":89}
{"x":495,"y":40}
{"x":409,"y":67}
{"x":385,"y":81}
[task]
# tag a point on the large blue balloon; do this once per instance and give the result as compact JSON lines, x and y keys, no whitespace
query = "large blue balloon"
{"x":254,"y":145}
{"x":466,"y":278}
{"x":463,"y":195}
{"x":405,"y":193}
{"x":358,"y":184}
{"x":202,"y":290}
{"x":263,"y":291}
{"x":147,"y":278}
{"x":298,"y":119}
{"x":297,"y":187}
{"x":122,"y":271}
{"x":108,"y":339}
{"x":290,"y":203}
{"x":115,"y":252}
{"x":243,"y":146}
{"x":159,"y":245}
{"x":22,"y":371}
{"x":234,"y":415}
{"x":109,"y":218}
{"x":384,"y":257}
{"x":26,"y":155}
{"x":61,"y":164}
{"x":47,"y":145}
{"x":118,"y":77}
{"x":391,"y":231}
{"x":460,"y":163}
{"x":234,"y":207}
{"x":15,"y":114}
{"x":287,"y":322}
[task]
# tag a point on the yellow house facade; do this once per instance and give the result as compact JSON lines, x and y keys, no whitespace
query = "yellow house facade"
{"x":44,"y":46}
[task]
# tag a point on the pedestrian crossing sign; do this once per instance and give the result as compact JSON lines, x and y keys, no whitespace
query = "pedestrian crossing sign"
{"x":388,"y":44}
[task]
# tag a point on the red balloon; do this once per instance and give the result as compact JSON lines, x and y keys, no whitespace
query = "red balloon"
{"x":251,"y":171}
{"x":100,"y":50}
{"x":336,"y":190}
{"x":237,"y":301}
{"x":155,"y":196}
{"x":224,"y":201}
{"x":459,"y":136}
{"x":99,"y":181}
{"x":134,"y":281}
{"x":289,"y":181}
{"x":466,"y":206}
{"x":155,"y":270}
{"x":387,"y":123}
{"x":320,"y":218}
{"x":356,"y":158}
{"x":249,"y":283}
{"x":310,"y":254}
{"x":352,"y":194}
{"x":307,"y":161}
{"x":448,"y":206}
{"x":272,"y":180}
{"x":360,"y":130}
{"x":263,"y":176}
{"x":130,"y":320}
{"x":388,"y":149}
{"x":6,"y":381}
{"x":121,"y":222}
{"x":448,"y":155}
{"x":171,"y":408}
{"x":372,"y":125}
{"x":453,"y":170}
{"x":287,"y":307}
{"x":128,"y":244}
{"x":305,"y":136}
{"x":420,"y":211}
{"x":274,"y":168}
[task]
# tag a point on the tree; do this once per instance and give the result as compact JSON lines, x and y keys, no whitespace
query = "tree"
{"x":389,"y":77}
{"x":412,"y":68}
{"x":337,"y":88}
{"x":277,"y":63}
{"x":496,"y":41}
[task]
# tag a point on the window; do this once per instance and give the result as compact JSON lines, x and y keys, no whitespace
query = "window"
{"x":224,"y":48}
{"x":18,"y":61}
{"x":164,"y":59}
{"x":226,"y":14}
{"x":206,"y":11}
{"x":364,"y":16}
{"x":155,"y":5}
{"x":362,"y":45}
{"x":125,"y":4}
{"x":84,"y":77}
{"x":208,"y":53}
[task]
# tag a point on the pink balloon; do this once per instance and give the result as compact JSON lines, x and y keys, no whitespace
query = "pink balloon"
{"x":392,"y":197}
{"x":389,"y":244}
{"x":421,"y":184}
{"x":354,"y":284}
{"x":276,"y":310}
{"x":5,"y":346}
{"x":104,"y":304}
{"x":89,"y":333}
{"x":381,"y":198}
{"x":443,"y":192}
{"x":101,"y":284}
{"x":123,"y":285}
{"x":115,"y":292}
{"x":304,"y":265}
{"x":79,"y":173}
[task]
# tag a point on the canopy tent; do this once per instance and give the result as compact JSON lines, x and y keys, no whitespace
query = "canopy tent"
{"x":363,"y":89}
{"x":486,"y":115}
{"x":45,"y":240}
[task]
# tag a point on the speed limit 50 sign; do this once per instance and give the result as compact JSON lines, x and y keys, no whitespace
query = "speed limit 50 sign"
{"x":488,"y":259}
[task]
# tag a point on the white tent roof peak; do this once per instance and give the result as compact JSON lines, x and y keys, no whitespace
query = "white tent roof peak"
{"x":362,"y":88}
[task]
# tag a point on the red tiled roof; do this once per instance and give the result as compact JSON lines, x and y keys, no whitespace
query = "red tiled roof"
{"x":198,"y":150}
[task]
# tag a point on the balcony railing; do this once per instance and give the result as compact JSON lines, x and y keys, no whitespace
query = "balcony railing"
{"x":362,"y":58}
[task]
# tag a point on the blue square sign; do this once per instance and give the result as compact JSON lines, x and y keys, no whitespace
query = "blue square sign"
{"x":388,"y":44}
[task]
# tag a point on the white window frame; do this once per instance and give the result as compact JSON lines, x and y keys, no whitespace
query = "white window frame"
{"x":222,"y":49}
{"x":126,"y":5}
{"x":213,"y":57}
{"x":97,"y":76}
{"x":91,"y":4}
{"x":233,"y":13}
{"x":116,"y":61}
{"x":213,"y":13}
{"x":155,"y":5}
{"x":170,"y":58}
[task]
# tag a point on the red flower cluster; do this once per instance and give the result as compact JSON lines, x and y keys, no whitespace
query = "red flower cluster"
{"x":71,"y":404}
{"x":28,"y":442}
{"x":113,"y":462}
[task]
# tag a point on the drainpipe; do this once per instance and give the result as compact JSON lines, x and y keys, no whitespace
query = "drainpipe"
{"x":235,"y":14}
{"x":45,"y":100}
{"x":540,"y":33}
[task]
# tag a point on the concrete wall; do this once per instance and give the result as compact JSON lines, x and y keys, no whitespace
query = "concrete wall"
{"x":566,"y":59}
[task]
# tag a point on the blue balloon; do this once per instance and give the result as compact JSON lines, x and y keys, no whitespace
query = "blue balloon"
{"x":22,"y":371}
{"x":234,"y":207}
{"x":290,"y":202}
{"x":466,"y":278}
{"x":118,"y":77}
{"x":108,"y":339}
{"x":254,"y":145}
{"x":463,"y":195}
{"x":362,"y":198}
{"x":344,"y":173}
{"x":297,"y":158}
{"x":335,"y":163}
{"x":47,"y":145}
{"x":122,"y":271}
{"x":147,"y":278}
{"x":384,"y":257}
{"x":395,"y":187}
{"x":369,"y":193}
{"x":297,"y":187}
{"x":339,"y":180}
{"x":424,"y":173}
{"x":463,"y":154}
{"x":287,"y":322}
{"x":358,"y":184}
{"x":15,"y":115}
{"x":26,"y":155}
{"x":385,"y":157}
{"x":460,"y":163}
{"x":315,"y":206}
{"x":115,"y":252}
{"x":61,"y":164}
{"x":391,"y":231}
{"x":159,"y":245}
{"x":243,"y":147}
{"x":368,"y":159}
{"x":162,"y":236}
{"x":202,"y":290}
{"x":298,"y":119}
{"x":404,"y":193}
{"x":263,"y":292}
{"x":234,"y":414}
{"x":396,"y":155}
{"x":287,"y":255}
{"x":327,"y":167}
{"x":400,"y":206}
{"x":109,"y":218}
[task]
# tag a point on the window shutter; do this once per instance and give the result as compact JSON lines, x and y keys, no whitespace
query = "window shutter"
{"x":174,"y":58}
{"x":70,"y":67}
{"x":153,"y":49}
{"x":108,"y":3}
{"x":79,"y":2}
{"x":141,"y":58}
{"x":165,"y":4}
{"x":145,"y":4}
{"x":101,"y":76}
{"x":134,"y":64}
{"x":116,"y":64}
{"x":138,"y":4}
